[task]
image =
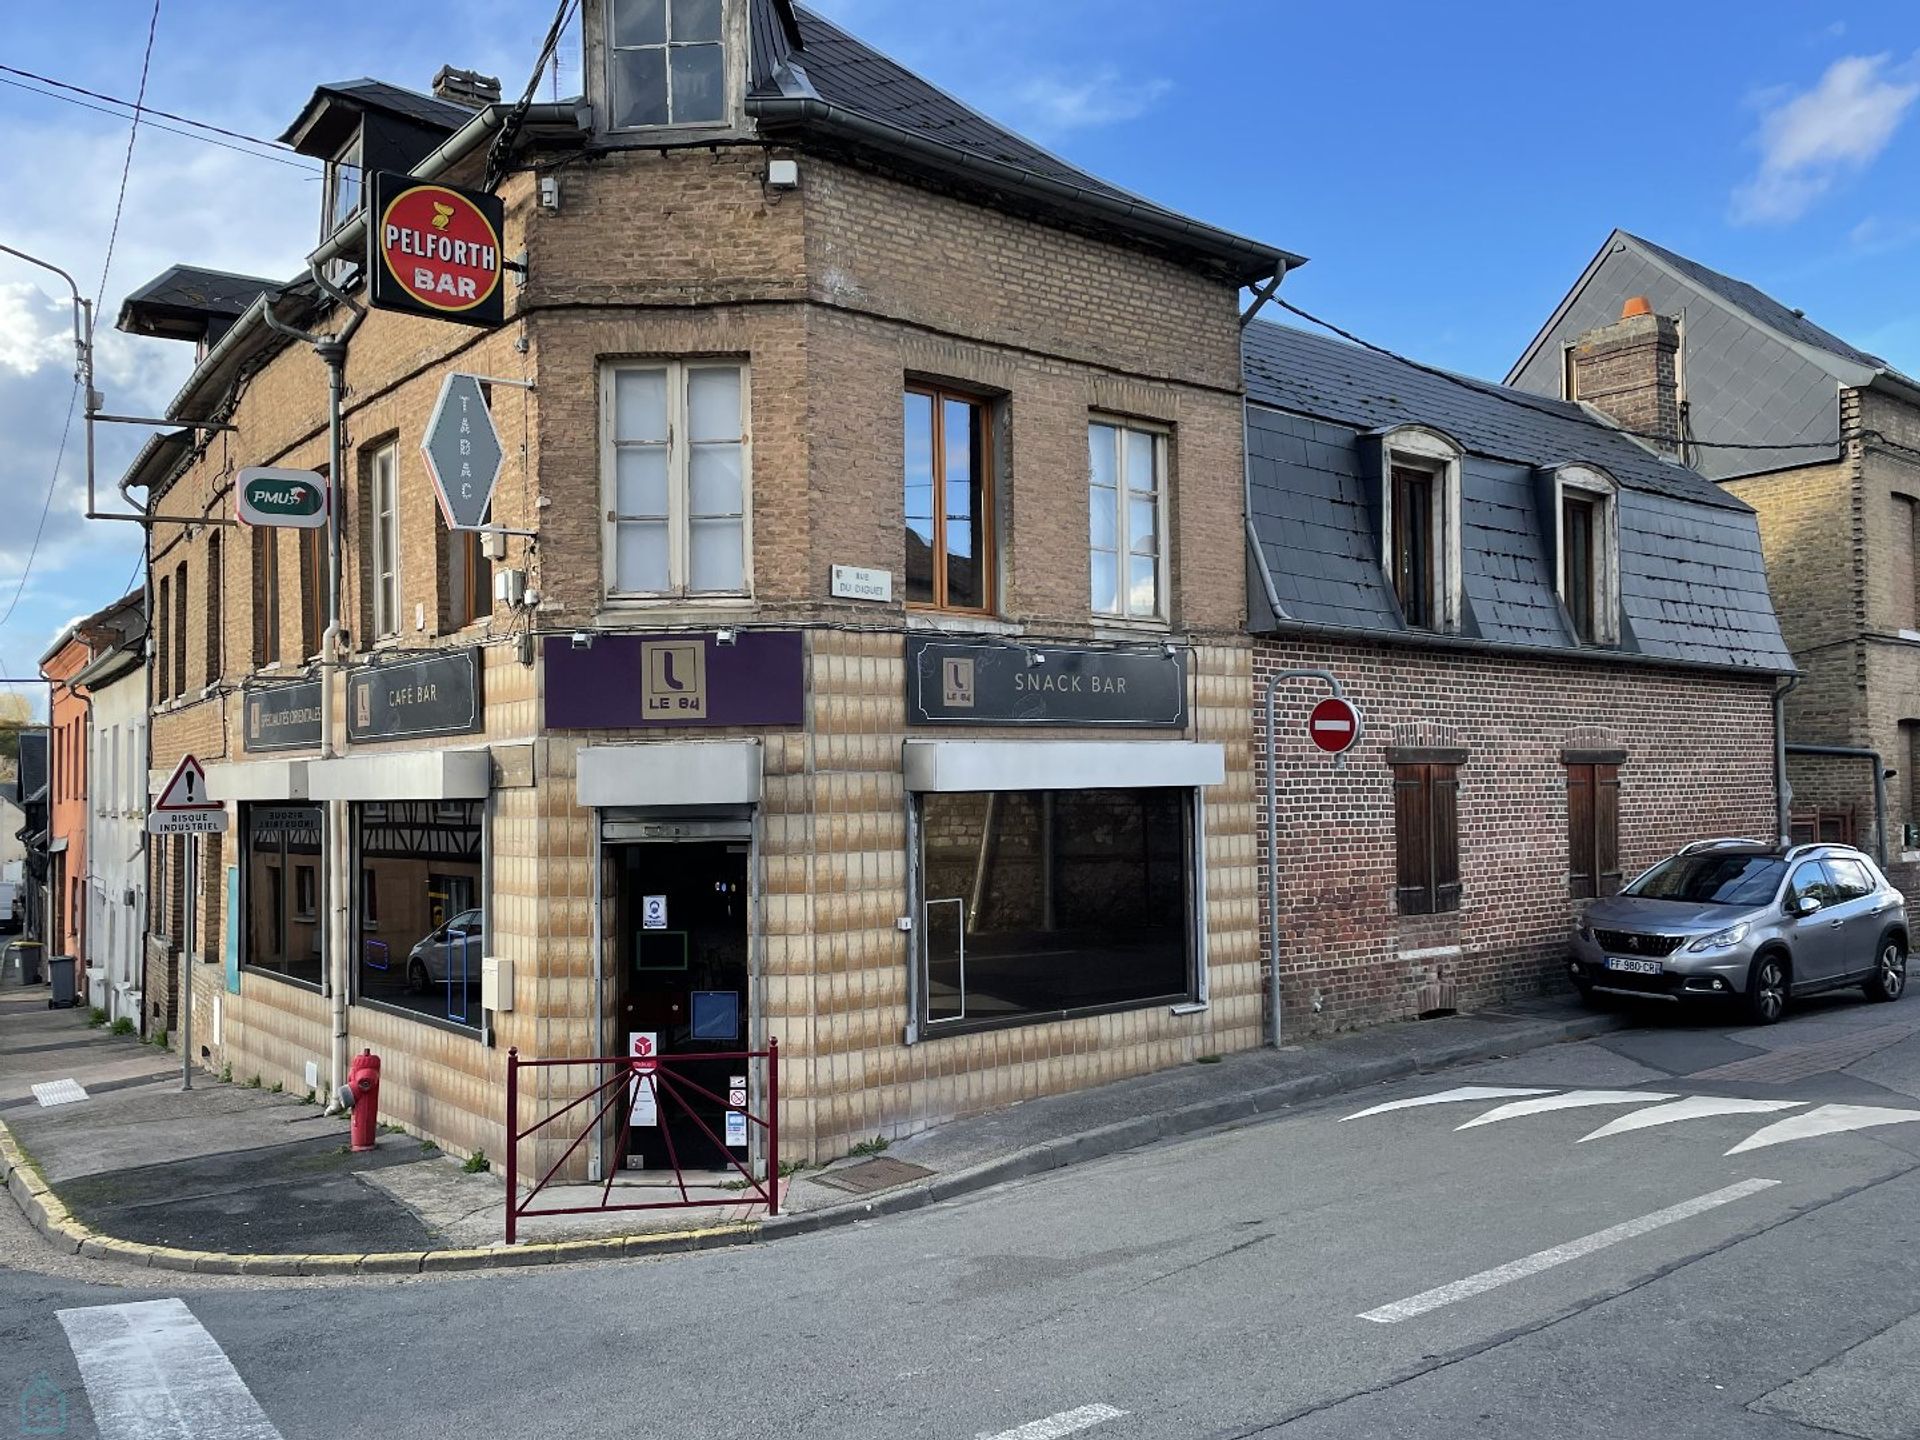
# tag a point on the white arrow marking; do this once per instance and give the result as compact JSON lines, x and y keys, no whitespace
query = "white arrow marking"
{"x":1827,"y":1120}
{"x":1572,"y":1100}
{"x":1067,"y":1422}
{"x":1444,"y":1097}
{"x":1560,"y":1254}
{"x":1691,"y":1108}
{"x":152,"y":1372}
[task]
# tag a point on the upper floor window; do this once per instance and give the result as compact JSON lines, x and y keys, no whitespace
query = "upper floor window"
{"x":1588,"y":579}
{"x":216,"y":621}
{"x":180,"y":628}
{"x":949,"y":499}
{"x":674,"y":472}
{"x":1126,"y":502}
{"x":466,"y":578}
{"x":163,"y":640}
{"x":313,"y":590}
{"x":666,"y":62}
{"x":1420,"y":542}
{"x":383,"y":540}
{"x":345,"y":188}
{"x":266,"y":597}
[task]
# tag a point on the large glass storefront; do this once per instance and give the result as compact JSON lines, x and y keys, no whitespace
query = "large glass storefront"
{"x":1041,"y":903}
{"x":417,"y":913}
{"x":285,"y":912}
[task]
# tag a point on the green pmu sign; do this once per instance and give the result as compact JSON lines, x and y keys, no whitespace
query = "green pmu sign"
{"x":296,"y":499}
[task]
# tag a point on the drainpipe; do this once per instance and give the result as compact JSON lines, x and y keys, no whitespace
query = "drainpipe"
{"x":1783,"y":792}
{"x":1854,"y":752}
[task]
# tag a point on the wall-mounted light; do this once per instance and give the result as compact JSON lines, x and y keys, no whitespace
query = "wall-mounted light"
{"x":549,"y":192}
{"x":783,"y":174}
{"x":583,"y":640}
{"x":725,"y":637}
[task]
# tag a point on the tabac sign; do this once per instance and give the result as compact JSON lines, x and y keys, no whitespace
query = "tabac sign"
{"x":435,"y":250}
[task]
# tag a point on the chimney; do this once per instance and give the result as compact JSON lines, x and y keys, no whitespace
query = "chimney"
{"x":1631,"y":370}
{"x":466,"y":87}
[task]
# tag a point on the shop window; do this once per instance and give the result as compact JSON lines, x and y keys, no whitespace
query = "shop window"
{"x":1589,"y":583}
{"x":1593,"y":829}
{"x":949,"y":500}
{"x":266,"y":597}
{"x":1426,"y":821}
{"x":280,"y":878}
{"x":420,"y":925}
{"x":1126,"y":509}
{"x":1042,"y":904}
{"x":466,"y":578}
{"x":666,"y":62}
{"x":675,"y":471}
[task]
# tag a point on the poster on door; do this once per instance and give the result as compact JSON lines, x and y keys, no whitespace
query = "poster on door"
{"x":643,"y":1105}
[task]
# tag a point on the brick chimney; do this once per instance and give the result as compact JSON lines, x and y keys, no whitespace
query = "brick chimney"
{"x":1631,"y":370}
{"x":466,"y":87}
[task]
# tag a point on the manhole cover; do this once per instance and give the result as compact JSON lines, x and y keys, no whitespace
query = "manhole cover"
{"x":871,"y":1175}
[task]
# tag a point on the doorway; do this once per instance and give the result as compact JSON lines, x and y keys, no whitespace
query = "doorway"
{"x":679,"y":932}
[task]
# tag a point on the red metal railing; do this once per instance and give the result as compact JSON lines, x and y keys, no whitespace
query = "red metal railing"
{"x":669,"y":1090}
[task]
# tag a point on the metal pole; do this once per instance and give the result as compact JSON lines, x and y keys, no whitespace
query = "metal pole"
{"x":513,"y":1142}
{"x":773,"y":1127}
{"x":191,"y":930}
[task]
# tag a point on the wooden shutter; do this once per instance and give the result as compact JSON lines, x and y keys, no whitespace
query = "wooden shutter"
{"x":1582,"y":868}
{"x":1444,"y":805}
{"x":1606,"y":828}
{"x":1413,"y":837}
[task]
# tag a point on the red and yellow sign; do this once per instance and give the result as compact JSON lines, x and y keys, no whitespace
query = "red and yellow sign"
{"x":435,"y":250}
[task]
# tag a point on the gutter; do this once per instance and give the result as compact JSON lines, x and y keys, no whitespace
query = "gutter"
{"x":1251,"y":260}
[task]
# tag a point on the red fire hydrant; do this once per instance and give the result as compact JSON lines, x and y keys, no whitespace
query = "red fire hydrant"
{"x":363,"y":1079}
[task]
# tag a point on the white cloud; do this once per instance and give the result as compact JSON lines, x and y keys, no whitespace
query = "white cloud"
{"x":1810,"y":140}
{"x":1047,"y":105}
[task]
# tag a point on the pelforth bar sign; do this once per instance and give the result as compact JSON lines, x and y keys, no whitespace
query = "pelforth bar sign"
{"x":435,"y":250}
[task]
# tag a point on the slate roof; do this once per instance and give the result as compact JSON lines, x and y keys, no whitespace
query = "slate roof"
{"x":190,"y":290}
{"x":381,"y":95}
{"x":1693,"y":585}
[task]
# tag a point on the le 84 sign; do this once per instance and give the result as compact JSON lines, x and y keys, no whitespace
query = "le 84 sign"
{"x":435,"y":250}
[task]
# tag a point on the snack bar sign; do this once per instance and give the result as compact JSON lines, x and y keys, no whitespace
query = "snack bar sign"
{"x":435,"y":250}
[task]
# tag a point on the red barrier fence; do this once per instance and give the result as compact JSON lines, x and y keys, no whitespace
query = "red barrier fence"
{"x":671,"y":1088}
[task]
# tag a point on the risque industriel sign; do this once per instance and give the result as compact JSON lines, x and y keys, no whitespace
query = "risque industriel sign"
{"x":435,"y":250}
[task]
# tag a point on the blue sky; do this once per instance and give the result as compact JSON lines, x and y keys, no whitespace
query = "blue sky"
{"x":1449,"y":169}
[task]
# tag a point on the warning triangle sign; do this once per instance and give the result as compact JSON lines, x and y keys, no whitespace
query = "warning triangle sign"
{"x":187,"y":790}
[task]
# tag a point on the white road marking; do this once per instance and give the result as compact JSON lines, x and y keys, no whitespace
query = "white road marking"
{"x":1560,"y":1254}
{"x":59,"y":1092}
{"x":1067,"y":1422}
{"x":1572,"y":1100}
{"x":1692,"y":1108}
{"x":152,"y":1372}
{"x":1445,"y":1097}
{"x":1827,"y":1120}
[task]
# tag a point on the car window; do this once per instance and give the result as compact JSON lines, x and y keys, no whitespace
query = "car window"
{"x":1708,"y":878}
{"x":1812,"y":880}
{"x":1850,"y":877}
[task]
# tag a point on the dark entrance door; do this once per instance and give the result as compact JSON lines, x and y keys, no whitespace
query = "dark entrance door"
{"x":681,"y":914}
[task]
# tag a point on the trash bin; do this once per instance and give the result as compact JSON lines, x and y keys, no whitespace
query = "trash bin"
{"x":26,"y":961}
{"x":60,"y":973}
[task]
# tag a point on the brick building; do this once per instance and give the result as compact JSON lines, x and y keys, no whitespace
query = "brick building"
{"x":1562,"y":647}
{"x":853,"y":663}
{"x":1823,"y":441}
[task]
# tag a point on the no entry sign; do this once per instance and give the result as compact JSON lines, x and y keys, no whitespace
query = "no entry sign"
{"x":435,"y":250}
{"x":1334,"y":725}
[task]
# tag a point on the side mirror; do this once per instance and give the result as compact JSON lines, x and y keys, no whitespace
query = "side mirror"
{"x":1806,"y":905}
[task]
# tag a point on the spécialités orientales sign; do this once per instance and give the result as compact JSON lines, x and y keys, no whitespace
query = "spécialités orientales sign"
{"x":435,"y":250}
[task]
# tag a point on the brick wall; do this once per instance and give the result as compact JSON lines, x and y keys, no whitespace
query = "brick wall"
{"x":1699,"y":763}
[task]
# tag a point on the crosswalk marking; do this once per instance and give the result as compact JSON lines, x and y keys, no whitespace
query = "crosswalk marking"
{"x":1067,"y":1422}
{"x":1694,"y":1107}
{"x":152,"y":1372}
{"x":1445,"y":1097}
{"x":1827,"y":1120}
{"x":1572,"y":1100}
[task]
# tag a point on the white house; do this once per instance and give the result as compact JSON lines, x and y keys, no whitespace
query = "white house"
{"x":116,"y":684}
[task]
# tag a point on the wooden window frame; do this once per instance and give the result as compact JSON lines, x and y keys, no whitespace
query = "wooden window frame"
{"x":1585,"y":485}
{"x":162,"y":643}
{"x":988,"y":560}
{"x":313,"y":590}
{"x":1593,"y":828}
{"x":1412,"y":553}
{"x":608,"y":51}
{"x":465,"y":599}
{"x":180,"y":628}
{"x":266,"y":597}
{"x":1419,"y":450}
{"x":216,"y":569}
{"x":1426,"y":821}
{"x":1162,"y":439}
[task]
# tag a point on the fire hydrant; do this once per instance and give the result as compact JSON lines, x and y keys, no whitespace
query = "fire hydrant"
{"x":363,"y":1080}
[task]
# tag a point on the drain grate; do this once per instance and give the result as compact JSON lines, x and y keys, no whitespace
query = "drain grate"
{"x":59,"y":1092}
{"x":870,"y":1176}
{"x":1802,"y":1062}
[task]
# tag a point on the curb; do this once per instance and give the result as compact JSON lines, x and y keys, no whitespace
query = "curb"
{"x":1240,"y":1109}
{"x":48,"y":1214}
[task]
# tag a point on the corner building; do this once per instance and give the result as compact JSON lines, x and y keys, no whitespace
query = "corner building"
{"x":867,"y":667}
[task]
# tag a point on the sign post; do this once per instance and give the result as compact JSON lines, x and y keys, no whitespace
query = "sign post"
{"x":184,"y":809}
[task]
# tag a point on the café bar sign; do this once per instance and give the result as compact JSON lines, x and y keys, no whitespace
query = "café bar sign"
{"x":426,"y":695}
{"x":999,"y":682}
{"x":282,"y":717}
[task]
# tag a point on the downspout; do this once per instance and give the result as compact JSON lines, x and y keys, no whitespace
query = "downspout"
{"x":1783,"y":792}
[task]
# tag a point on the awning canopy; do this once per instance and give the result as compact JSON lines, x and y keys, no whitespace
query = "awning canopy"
{"x":417,"y":775}
{"x":671,"y":773}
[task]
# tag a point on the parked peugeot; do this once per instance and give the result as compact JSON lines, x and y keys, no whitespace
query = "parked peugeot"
{"x":450,"y":953}
{"x":1749,"y":922}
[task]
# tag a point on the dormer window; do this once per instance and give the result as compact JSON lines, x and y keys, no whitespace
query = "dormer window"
{"x":345,"y":189}
{"x":1420,"y":529}
{"x":1588,"y":566}
{"x":666,"y":62}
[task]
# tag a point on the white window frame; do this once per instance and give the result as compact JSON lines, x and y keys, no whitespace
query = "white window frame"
{"x":729,"y":48}
{"x":1415,"y":447}
{"x":1162,"y":438}
{"x":350,"y":158}
{"x":679,"y":487}
{"x":383,"y":539}
{"x":1591,"y":483}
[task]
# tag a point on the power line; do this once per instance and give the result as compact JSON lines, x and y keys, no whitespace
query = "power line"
{"x":126,"y":165}
{"x":47,"y":506}
{"x":152,"y":124}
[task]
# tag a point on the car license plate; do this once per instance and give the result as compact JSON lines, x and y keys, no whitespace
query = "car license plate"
{"x":1630,"y":966}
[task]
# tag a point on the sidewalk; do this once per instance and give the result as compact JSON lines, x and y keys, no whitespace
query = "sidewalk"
{"x":232,"y":1179}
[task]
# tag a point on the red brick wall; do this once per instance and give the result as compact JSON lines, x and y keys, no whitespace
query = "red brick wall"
{"x":1699,"y":763}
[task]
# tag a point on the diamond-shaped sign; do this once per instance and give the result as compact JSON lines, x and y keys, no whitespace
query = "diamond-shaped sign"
{"x":463,"y":452}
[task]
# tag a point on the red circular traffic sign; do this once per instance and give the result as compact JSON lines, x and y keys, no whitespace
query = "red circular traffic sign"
{"x":1334,"y":725}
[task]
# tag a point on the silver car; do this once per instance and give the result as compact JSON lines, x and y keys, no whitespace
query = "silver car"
{"x":1746,"y":921}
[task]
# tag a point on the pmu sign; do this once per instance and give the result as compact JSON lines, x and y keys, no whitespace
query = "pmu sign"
{"x":462,"y":451}
{"x":294,"y":499}
{"x":435,"y":250}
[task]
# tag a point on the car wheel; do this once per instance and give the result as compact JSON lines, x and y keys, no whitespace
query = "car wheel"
{"x":1889,"y":978}
{"x":1767,"y":990}
{"x":417,"y":978}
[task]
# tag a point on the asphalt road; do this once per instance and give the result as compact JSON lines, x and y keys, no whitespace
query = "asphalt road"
{"x":1309,"y":1277}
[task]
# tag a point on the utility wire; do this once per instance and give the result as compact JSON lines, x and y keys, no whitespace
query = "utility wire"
{"x":502,"y":146}
{"x":313,"y":170}
{"x":46,"y":506}
{"x":126,"y":165}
